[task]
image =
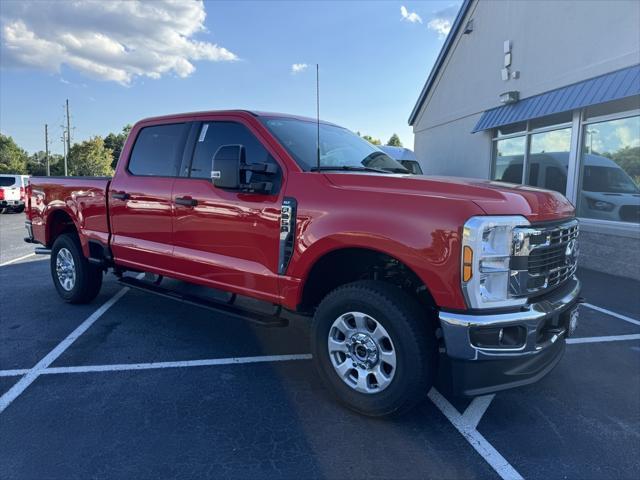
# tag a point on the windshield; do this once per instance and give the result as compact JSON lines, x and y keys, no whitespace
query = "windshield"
{"x":607,"y":180}
{"x":339,"y":148}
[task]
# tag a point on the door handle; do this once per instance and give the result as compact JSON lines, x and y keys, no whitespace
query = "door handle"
{"x":120,"y":195}
{"x":186,"y":201}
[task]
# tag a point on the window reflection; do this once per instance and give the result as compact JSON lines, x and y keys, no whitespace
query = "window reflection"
{"x":549,"y":160}
{"x":509,"y":158}
{"x":611,"y":171}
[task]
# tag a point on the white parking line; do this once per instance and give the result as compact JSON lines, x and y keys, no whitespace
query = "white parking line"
{"x":13,"y":373}
{"x":608,"y":338}
{"x":180,"y":364}
{"x":36,"y":371}
{"x":9,"y":262}
{"x":476,"y":409}
{"x":475,"y":438}
{"x":613,"y":314}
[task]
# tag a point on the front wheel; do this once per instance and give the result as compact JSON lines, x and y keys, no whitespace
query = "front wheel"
{"x":374,"y":348}
{"x":75,"y":279}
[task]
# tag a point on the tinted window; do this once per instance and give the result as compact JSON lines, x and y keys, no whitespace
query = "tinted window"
{"x":7,"y":181}
{"x":156,"y":150}
{"x":213,"y":135}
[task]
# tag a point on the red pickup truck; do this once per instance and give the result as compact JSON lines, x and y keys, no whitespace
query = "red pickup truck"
{"x":406,"y":278}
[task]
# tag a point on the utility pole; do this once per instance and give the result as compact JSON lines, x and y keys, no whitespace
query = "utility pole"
{"x":68,"y":137}
{"x":64,"y":148}
{"x":46,"y":148}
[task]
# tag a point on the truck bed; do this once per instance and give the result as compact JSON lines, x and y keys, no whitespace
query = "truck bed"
{"x":80,"y":200}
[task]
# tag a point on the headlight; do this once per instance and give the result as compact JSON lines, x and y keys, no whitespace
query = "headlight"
{"x":486,"y":254}
{"x":600,"y":205}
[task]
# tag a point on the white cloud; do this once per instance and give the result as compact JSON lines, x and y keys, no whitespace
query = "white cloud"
{"x":412,"y":17}
{"x":443,"y":20}
{"x":298,"y":68}
{"x":116,"y":40}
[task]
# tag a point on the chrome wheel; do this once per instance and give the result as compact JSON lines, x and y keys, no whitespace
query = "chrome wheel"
{"x":362,"y":352}
{"x":66,"y":269}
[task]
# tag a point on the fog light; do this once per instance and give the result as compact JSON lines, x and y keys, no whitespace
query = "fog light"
{"x":513,"y":336}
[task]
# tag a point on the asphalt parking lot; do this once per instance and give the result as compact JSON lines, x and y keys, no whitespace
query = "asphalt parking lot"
{"x":138,"y":386}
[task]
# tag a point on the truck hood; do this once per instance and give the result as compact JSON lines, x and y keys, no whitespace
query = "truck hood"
{"x":494,"y":198}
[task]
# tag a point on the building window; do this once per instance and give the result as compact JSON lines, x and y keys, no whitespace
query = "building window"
{"x":549,"y":160}
{"x":591,"y":155}
{"x":539,"y":158}
{"x":509,"y":159}
{"x":610,"y":170}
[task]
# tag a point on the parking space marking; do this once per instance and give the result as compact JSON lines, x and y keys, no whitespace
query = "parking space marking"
{"x":37,"y":370}
{"x":476,"y":409}
{"x":9,"y":262}
{"x":475,"y":438}
{"x":13,"y":373}
{"x":608,"y":338}
{"x":180,"y":364}
{"x":613,"y":314}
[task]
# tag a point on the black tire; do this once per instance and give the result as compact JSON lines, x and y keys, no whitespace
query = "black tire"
{"x":2,"y":210}
{"x":19,"y":209}
{"x":88,"y":278}
{"x":410,"y":331}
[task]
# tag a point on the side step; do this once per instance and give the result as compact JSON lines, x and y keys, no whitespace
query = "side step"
{"x":259,"y":318}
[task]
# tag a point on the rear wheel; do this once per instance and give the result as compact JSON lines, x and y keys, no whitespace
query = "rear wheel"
{"x":75,"y":279}
{"x":19,"y":209}
{"x":374,"y":348}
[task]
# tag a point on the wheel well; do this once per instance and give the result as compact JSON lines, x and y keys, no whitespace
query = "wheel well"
{"x":59,"y":222}
{"x":351,"y":264}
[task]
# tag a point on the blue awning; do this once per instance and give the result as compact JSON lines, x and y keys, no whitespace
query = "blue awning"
{"x":611,"y":86}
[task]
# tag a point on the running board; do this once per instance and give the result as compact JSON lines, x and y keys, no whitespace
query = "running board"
{"x":259,"y":318}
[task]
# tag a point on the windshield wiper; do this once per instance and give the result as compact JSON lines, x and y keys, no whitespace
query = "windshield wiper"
{"x":347,"y":168}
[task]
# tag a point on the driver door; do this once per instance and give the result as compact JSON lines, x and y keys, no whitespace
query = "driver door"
{"x":222,"y":238}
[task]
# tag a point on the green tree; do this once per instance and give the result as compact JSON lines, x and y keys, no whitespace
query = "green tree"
{"x":90,"y":158}
{"x":394,"y":141}
{"x":56,"y":162}
{"x":115,"y":142}
{"x":37,"y":163}
{"x":13,"y":159}
{"x":370,"y":139}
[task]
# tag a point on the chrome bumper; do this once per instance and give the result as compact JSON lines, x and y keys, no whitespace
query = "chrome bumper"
{"x":533,"y":317}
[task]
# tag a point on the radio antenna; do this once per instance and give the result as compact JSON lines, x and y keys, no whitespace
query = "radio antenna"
{"x":318,"y":115}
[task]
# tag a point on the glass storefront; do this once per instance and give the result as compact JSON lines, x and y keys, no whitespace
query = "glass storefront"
{"x":610,"y":170}
{"x":601,"y":176}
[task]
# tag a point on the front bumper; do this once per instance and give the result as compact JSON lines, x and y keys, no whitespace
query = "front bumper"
{"x":477,"y":370}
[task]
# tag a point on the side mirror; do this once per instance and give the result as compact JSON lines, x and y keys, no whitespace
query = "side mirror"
{"x":226,"y":166}
{"x":229,"y":170}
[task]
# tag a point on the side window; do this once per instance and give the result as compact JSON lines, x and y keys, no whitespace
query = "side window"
{"x":213,"y":135}
{"x":157,"y":149}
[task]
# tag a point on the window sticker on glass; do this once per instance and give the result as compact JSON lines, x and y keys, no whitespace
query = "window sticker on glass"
{"x":203,"y":132}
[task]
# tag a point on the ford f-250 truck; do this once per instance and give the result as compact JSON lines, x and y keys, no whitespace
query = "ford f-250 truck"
{"x":406,"y":277}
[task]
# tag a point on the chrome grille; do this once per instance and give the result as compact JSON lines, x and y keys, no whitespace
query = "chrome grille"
{"x":543,"y":258}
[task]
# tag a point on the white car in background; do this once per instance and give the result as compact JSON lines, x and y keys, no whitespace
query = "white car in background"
{"x":13,"y":190}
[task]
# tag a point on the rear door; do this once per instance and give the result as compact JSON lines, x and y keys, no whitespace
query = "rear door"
{"x":227,"y":239}
{"x":140,"y":203}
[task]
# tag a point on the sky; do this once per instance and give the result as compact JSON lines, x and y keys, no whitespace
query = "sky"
{"x":118,"y":62}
